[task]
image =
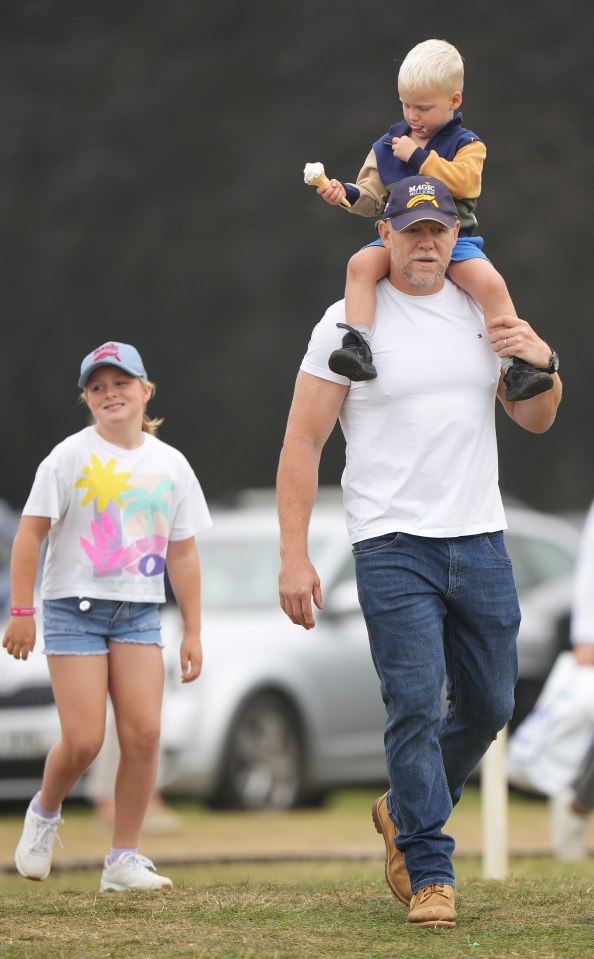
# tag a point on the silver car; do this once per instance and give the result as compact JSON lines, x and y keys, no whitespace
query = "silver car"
{"x":281,"y":715}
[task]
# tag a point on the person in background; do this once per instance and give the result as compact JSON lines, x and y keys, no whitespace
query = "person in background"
{"x":118,"y":507}
{"x":571,"y":808}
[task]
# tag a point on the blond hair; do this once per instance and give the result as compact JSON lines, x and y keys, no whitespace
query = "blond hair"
{"x":432,"y":63}
{"x":148,"y":425}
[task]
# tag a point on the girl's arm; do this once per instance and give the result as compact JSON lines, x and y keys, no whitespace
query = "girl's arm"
{"x":19,"y":638}
{"x":183,"y":567}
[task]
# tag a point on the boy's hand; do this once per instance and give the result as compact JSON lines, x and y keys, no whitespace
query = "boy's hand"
{"x":333,"y":192}
{"x":403,"y":148}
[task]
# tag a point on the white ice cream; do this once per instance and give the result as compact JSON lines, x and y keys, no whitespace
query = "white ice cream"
{"x":313,"y":171}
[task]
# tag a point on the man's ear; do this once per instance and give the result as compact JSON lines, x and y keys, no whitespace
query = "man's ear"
{"x":384,"y":230}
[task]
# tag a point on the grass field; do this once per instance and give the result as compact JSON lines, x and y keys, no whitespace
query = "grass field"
{"x":327,"y":909}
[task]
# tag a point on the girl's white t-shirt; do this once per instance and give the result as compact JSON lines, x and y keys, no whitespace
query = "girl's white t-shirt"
{"x":113,"y":512}
{"x":421,"y":448}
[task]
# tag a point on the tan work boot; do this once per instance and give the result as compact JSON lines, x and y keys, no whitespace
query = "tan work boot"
{"x":396,"y":872}
{"x":433,"y":906}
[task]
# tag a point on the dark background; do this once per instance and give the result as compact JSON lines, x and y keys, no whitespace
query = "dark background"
{"x":152,"y":192}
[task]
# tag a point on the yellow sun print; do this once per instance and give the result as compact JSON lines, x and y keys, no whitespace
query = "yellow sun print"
{"x":103,"y":483}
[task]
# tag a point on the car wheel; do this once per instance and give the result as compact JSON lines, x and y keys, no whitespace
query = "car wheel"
{"x":263,"y":761}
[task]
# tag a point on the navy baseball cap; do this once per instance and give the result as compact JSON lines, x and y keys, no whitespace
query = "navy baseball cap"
{"x":420,"y":198}
{"x":112,"y":354}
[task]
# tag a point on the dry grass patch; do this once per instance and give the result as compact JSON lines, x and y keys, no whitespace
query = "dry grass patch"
{"x":334,"y":910}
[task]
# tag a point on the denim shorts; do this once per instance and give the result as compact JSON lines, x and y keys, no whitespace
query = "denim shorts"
{"x":71,"y":628}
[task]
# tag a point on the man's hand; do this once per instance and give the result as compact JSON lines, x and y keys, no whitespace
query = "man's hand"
{"x":298,"y":583}
{"x":333,"y":192}
{"x":511,"y":336}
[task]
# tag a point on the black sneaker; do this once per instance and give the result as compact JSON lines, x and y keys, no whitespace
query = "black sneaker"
{"x":523,"y":381}
{"x":354,"y":359}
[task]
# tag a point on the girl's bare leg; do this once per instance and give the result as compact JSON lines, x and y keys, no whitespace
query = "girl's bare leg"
{"x":136,"y":690}
{"x":80,"y":690}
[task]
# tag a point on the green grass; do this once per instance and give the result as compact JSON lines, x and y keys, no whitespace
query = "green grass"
{"x":327,"y":909}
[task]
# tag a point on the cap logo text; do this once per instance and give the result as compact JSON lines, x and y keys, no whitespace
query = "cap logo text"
{"x":108,"y":349}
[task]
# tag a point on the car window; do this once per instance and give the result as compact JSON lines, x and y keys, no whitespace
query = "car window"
{"x":239,"y":573}
{"x":346,"y":571}
{"x":536,"y":561}
{"x":243,"y":572}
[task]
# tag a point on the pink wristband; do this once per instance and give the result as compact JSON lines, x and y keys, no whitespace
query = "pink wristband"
{"x":23,"y":611}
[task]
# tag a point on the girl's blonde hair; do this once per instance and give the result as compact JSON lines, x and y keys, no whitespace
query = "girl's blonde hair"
{"x":148,"y":425}
{"x":432,"y":63}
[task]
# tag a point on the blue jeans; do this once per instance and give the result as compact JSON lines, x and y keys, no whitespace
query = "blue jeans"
{"x":438,"y":610}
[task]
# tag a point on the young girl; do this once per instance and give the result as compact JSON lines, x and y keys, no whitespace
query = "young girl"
{"x":118,"y":506}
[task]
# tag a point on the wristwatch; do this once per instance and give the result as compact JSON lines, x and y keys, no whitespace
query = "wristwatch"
{"x":553,"y":363}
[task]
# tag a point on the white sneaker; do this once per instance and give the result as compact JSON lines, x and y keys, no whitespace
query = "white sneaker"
{"x":132,"y":871}
{"x":33,"y":856}
{"x":569,"y":828}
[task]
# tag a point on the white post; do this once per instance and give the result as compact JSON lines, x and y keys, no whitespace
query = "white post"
{"x":494,"y":799}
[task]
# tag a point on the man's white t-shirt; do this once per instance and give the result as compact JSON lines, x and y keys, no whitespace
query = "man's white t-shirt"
{"x":421,"y":448}
{"x":113,"y":512}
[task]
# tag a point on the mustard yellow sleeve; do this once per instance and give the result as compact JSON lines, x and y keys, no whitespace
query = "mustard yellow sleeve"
{"x":462,"y":175}
{"x":373,"y":194}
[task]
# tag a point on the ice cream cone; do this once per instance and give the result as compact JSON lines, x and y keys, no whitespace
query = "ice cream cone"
{"x":315,"y":175}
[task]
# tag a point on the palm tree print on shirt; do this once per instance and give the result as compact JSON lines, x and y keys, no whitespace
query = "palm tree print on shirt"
{"x":152,"y":502}
{"x":106,"y":490}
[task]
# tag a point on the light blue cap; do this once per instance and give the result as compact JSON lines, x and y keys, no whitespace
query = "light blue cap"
{"x":112,"y":354}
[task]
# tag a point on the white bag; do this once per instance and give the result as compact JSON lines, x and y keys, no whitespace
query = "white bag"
{"x":545,"y":751}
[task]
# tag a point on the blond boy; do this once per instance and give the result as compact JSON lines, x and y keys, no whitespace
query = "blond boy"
{"x":429,"y":141}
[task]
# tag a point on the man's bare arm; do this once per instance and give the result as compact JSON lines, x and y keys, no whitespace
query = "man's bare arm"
{"x":314,"y":411}
{"x":511,"y":336}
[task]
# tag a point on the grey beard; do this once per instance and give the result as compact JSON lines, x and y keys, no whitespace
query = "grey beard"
{"x":425,"y":279}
